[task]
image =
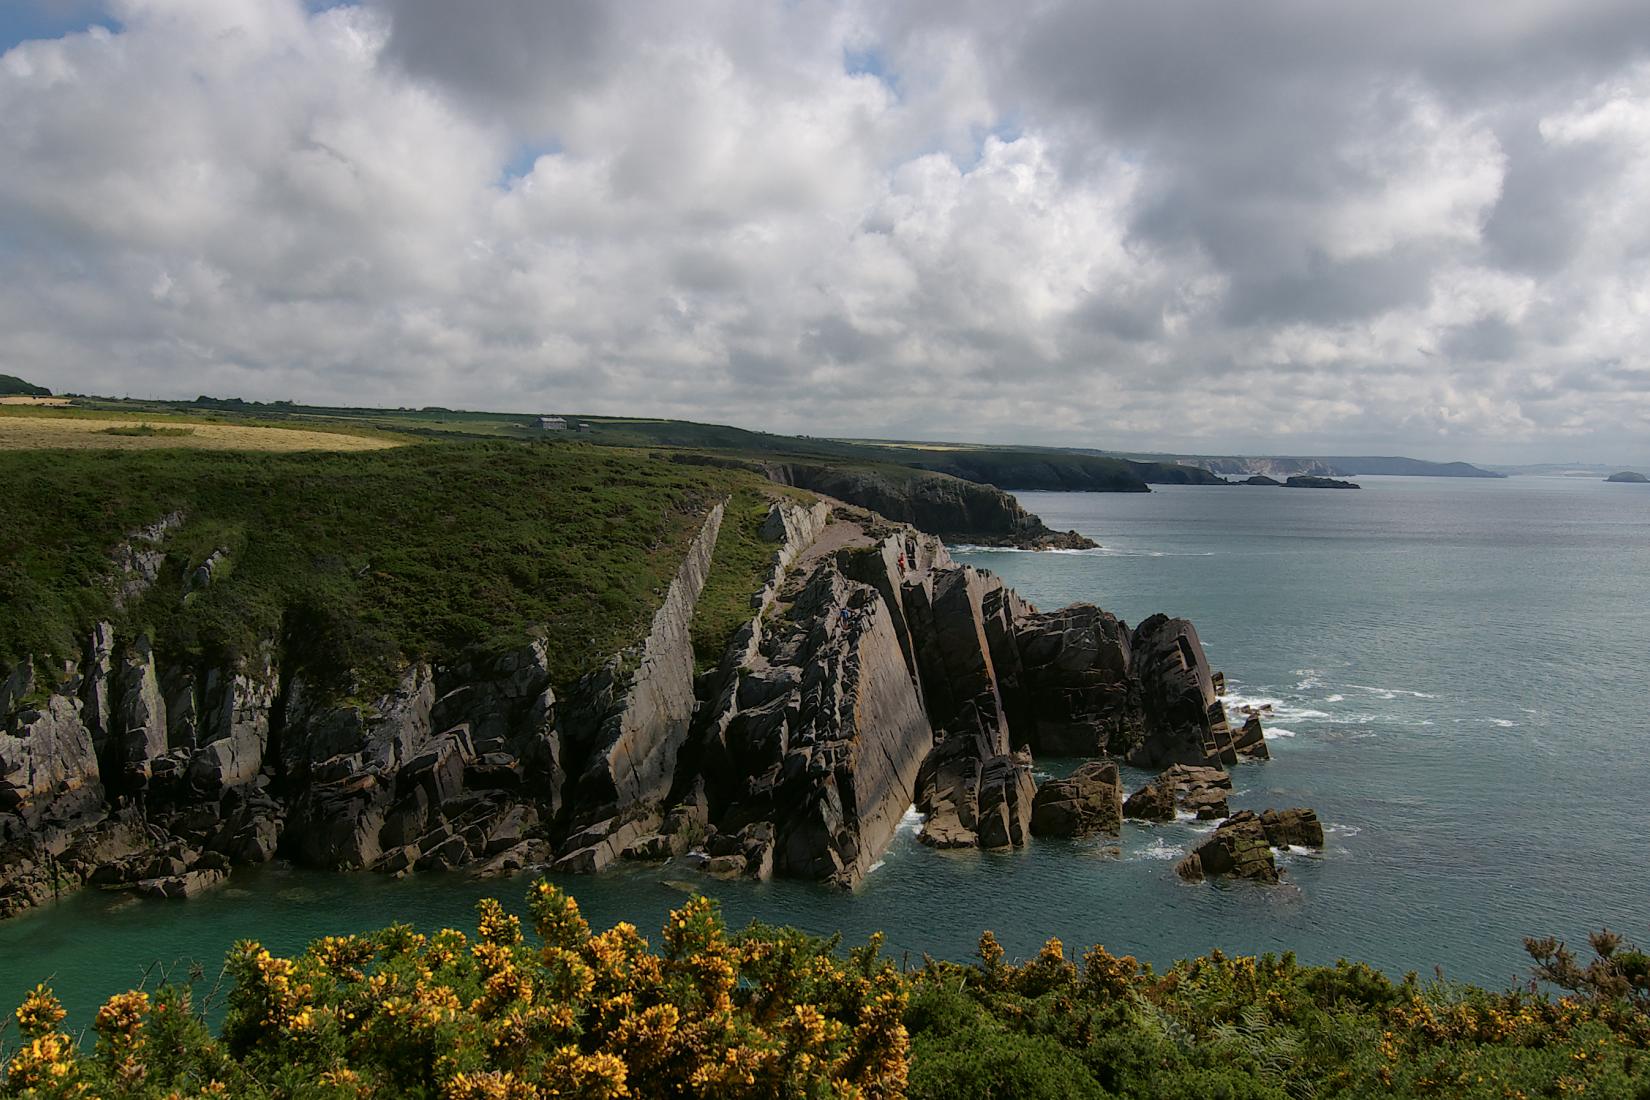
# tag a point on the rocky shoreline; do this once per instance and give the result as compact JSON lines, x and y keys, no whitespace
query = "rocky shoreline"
{"x":875,"y":673}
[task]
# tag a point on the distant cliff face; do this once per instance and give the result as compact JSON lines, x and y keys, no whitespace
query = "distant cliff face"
{"x":934,"y":502}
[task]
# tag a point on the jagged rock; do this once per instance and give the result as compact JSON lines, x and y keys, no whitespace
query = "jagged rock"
{"x":1238,"y":847}
{"x":599,"y":846}
{"x":975,"y":798}
{"x":515,"y":859}
{"x":97,"y":706}
{"x":49,"y":776}
{"x":959,"y":684}
{"x":839,"y":746}
{"x":1185,"y":722}
{"x":139,"y":734}
{"x":1205,"y":803}
{"x":1088,"y":801}
{"x":1298,"y":826}
{"x":1153,"y":802}
{"x":1079,"y":694}
{"x":234,"y":726}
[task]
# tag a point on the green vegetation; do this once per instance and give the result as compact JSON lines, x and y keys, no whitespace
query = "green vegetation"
{"x":774,"y":1013}
{"x":737,"y":571}
{"x":354,"y":561}
{"x":13,"y":386}
{"x":148,"y":430}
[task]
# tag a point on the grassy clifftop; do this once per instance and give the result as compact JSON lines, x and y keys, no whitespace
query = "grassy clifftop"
{"x":353,"y":560}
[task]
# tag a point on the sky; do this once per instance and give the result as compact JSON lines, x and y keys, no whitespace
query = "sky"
{"x":1276,"y":226}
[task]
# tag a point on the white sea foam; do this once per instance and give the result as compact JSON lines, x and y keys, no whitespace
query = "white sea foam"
{"x":1337,"y":698}
{"x":1160,"y":849}
{"x":1392,"y":693}
{"x":909,"y":822}
{"x":1272,"y":733}
{"x":875,"y":867}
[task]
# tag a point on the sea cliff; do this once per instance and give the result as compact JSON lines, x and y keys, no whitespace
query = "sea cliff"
{"x":872,"y":673}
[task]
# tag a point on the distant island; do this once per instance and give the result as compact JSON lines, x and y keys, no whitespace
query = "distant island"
{"x":1628,"y":477}
{"x":1304,"y":481}
{"x":1300,"y":481}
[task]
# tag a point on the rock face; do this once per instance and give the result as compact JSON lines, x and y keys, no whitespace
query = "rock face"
{"x":874,"y":675}
{"x":632,"y":757}
{"x":1082,"y":696}
{"x":1260,"y":479}
{"x":1184,"y":719}
{"x":1087,"y":802}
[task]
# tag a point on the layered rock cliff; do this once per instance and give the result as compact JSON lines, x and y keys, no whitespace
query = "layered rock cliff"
{"x":874,"y":675}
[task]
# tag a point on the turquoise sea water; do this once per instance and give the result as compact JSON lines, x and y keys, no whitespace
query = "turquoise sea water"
{"x":1458,"y":671}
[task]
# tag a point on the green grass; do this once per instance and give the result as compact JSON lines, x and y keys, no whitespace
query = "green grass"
{"x":355,"y":560}
{"x":737,"y":572}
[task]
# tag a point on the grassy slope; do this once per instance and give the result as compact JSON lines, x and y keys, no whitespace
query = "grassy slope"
{"x":736,"y":573}
{"x":357,"y":559}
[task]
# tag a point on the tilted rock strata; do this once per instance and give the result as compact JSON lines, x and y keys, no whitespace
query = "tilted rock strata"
{"x":875,"y":673}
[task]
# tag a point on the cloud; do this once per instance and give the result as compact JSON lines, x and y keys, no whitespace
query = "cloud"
{"x":1276,"y":226}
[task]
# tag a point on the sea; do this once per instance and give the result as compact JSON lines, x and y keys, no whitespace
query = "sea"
{"x":1456,"y":672}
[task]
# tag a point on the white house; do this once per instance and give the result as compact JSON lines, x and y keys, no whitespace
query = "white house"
{"x":552,"y":424}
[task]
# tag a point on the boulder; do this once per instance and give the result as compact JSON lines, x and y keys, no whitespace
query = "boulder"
{"x":1088,"y":801}
{"x":1153,"y":802}
{"x":972,"y":797}
{"x":1238,"y":847}
{"x":1298,"y":827}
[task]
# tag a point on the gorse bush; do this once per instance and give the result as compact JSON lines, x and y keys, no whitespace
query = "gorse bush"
{"x":772,"y":1013}
{"x":765,"y":1013}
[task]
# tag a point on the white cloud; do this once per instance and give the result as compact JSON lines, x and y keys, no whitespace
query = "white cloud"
{"x":1102,"y":228}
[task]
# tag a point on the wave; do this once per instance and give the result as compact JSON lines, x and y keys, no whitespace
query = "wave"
{"x":1274,"y":732}
{"x":909,"y":822}
{"x":1392,"y":693}
{"x":1160,"y":849}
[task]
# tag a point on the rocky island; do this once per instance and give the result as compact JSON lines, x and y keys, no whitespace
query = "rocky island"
{"x":1306,"y":481}
{"x":1628,"y":477}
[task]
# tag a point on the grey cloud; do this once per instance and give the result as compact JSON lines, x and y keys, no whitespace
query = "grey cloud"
{"x":1277,"y":225}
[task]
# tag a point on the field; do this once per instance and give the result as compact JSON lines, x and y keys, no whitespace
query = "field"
{"x":81,"y":432}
